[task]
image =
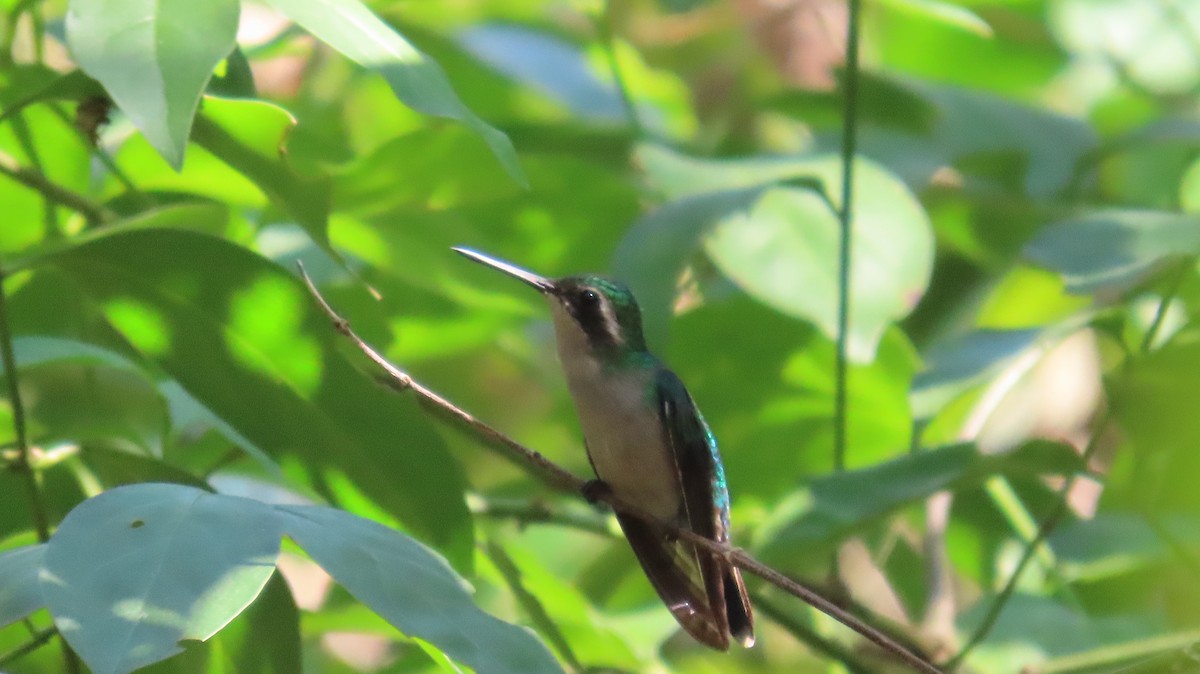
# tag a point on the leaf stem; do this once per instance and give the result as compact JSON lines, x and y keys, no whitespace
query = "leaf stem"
{"x":1160,"y":315}
{"x":561,"y":478}
{"x":845,"y":213}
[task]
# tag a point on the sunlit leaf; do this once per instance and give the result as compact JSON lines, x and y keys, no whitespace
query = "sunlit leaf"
{"x":349,"y":27}
{"x":121,"y":44}
{"x":251,"y":136}
{"x":282,"y":384}
{"x":944,"y":12}
{"x":783,"y":249}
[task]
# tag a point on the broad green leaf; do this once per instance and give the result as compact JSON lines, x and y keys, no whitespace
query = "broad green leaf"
{"x":1117,"y":542}
{"x":963,"y":363}
{"x":250,"y":346}
{"x":1113,"y":250}
{"x":657,"y":247}
{"x":114,"y":468}
{"x":251,"y":136}
{"x":1030,"y":629}
{"x":349,"y":27}
{"x":154,"y":57}
{"x":75,"y":402}
{"x":942,"y":12}
{"x":133,"y":571}
{"x":783,"y":249}
{"x":414,"y":590}
{"x":24,"y":85}
{"x":19,"y":591}
{"x":917,"y":128}
{"x":838,"y":502}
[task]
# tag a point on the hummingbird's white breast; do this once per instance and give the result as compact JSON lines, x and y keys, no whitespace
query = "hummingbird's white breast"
{"x":621,"y":424}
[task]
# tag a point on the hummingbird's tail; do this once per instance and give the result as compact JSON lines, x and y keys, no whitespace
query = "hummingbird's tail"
{"x":737,"y":607}
{"x":664,"y":567}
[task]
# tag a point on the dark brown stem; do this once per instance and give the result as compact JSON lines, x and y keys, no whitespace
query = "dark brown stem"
{"x":563,"y":479}
{"x":93,"y":212}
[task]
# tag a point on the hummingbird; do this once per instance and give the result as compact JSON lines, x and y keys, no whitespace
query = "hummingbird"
{"x":649,"y":446}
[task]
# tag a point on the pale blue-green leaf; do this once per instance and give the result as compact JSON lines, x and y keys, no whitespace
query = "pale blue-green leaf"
{"x":154,"y":57}
{"x":1113,"y":250}
{"x":414,"y":589}
{"x":548,"y":64}
{"x":135,"y":570}
{"x":19,"y":591}
{"x":349,"y":27}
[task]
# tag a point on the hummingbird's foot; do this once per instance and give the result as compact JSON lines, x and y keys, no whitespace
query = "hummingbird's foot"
{"x":595,"y":491}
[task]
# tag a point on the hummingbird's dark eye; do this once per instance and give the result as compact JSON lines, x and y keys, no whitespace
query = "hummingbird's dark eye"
{"x":588,"y":299}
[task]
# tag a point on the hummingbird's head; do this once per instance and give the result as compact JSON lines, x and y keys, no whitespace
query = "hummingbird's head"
{"x":592,"y":314}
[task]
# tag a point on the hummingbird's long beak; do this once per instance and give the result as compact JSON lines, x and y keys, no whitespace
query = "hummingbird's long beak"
{"x":541,"y":283}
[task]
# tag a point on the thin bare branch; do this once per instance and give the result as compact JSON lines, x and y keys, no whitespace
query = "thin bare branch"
{"x":563,"y":479}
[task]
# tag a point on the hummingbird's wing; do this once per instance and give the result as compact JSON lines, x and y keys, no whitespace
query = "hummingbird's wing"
{"x":706,"y":506}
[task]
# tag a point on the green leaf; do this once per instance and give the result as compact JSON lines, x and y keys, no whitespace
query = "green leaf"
{"x":942,"y":12}
{"x":154,"y":57}
{"x":249,"y":345}
{"x":839,"y":502}
{"x":655,"y":249}
{"x":783,"y":249}
{"x":1153,"y":402}
{"x":19,"y":591}
{"x":251,"y":136}
{"x":131,"y":572}
{"x":1113,"y":250}
{"x":414,"y":590}
{"x":963,"y":363}
{"x":114,"y":467}
{"x":349,"y":27}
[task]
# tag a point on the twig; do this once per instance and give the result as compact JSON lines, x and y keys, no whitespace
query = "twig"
{"x":21,"y":463}
{"x":39,"y":639}
{"x":845,"y":213}
{"x":525,"y":512}
{"x":1047,"y":526}
{"x":563,"y":479}
{"x":37,"y":506}
{"x":93,"y":212}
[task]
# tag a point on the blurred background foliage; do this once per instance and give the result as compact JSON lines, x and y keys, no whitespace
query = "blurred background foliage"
{"x":1021,"y":451}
